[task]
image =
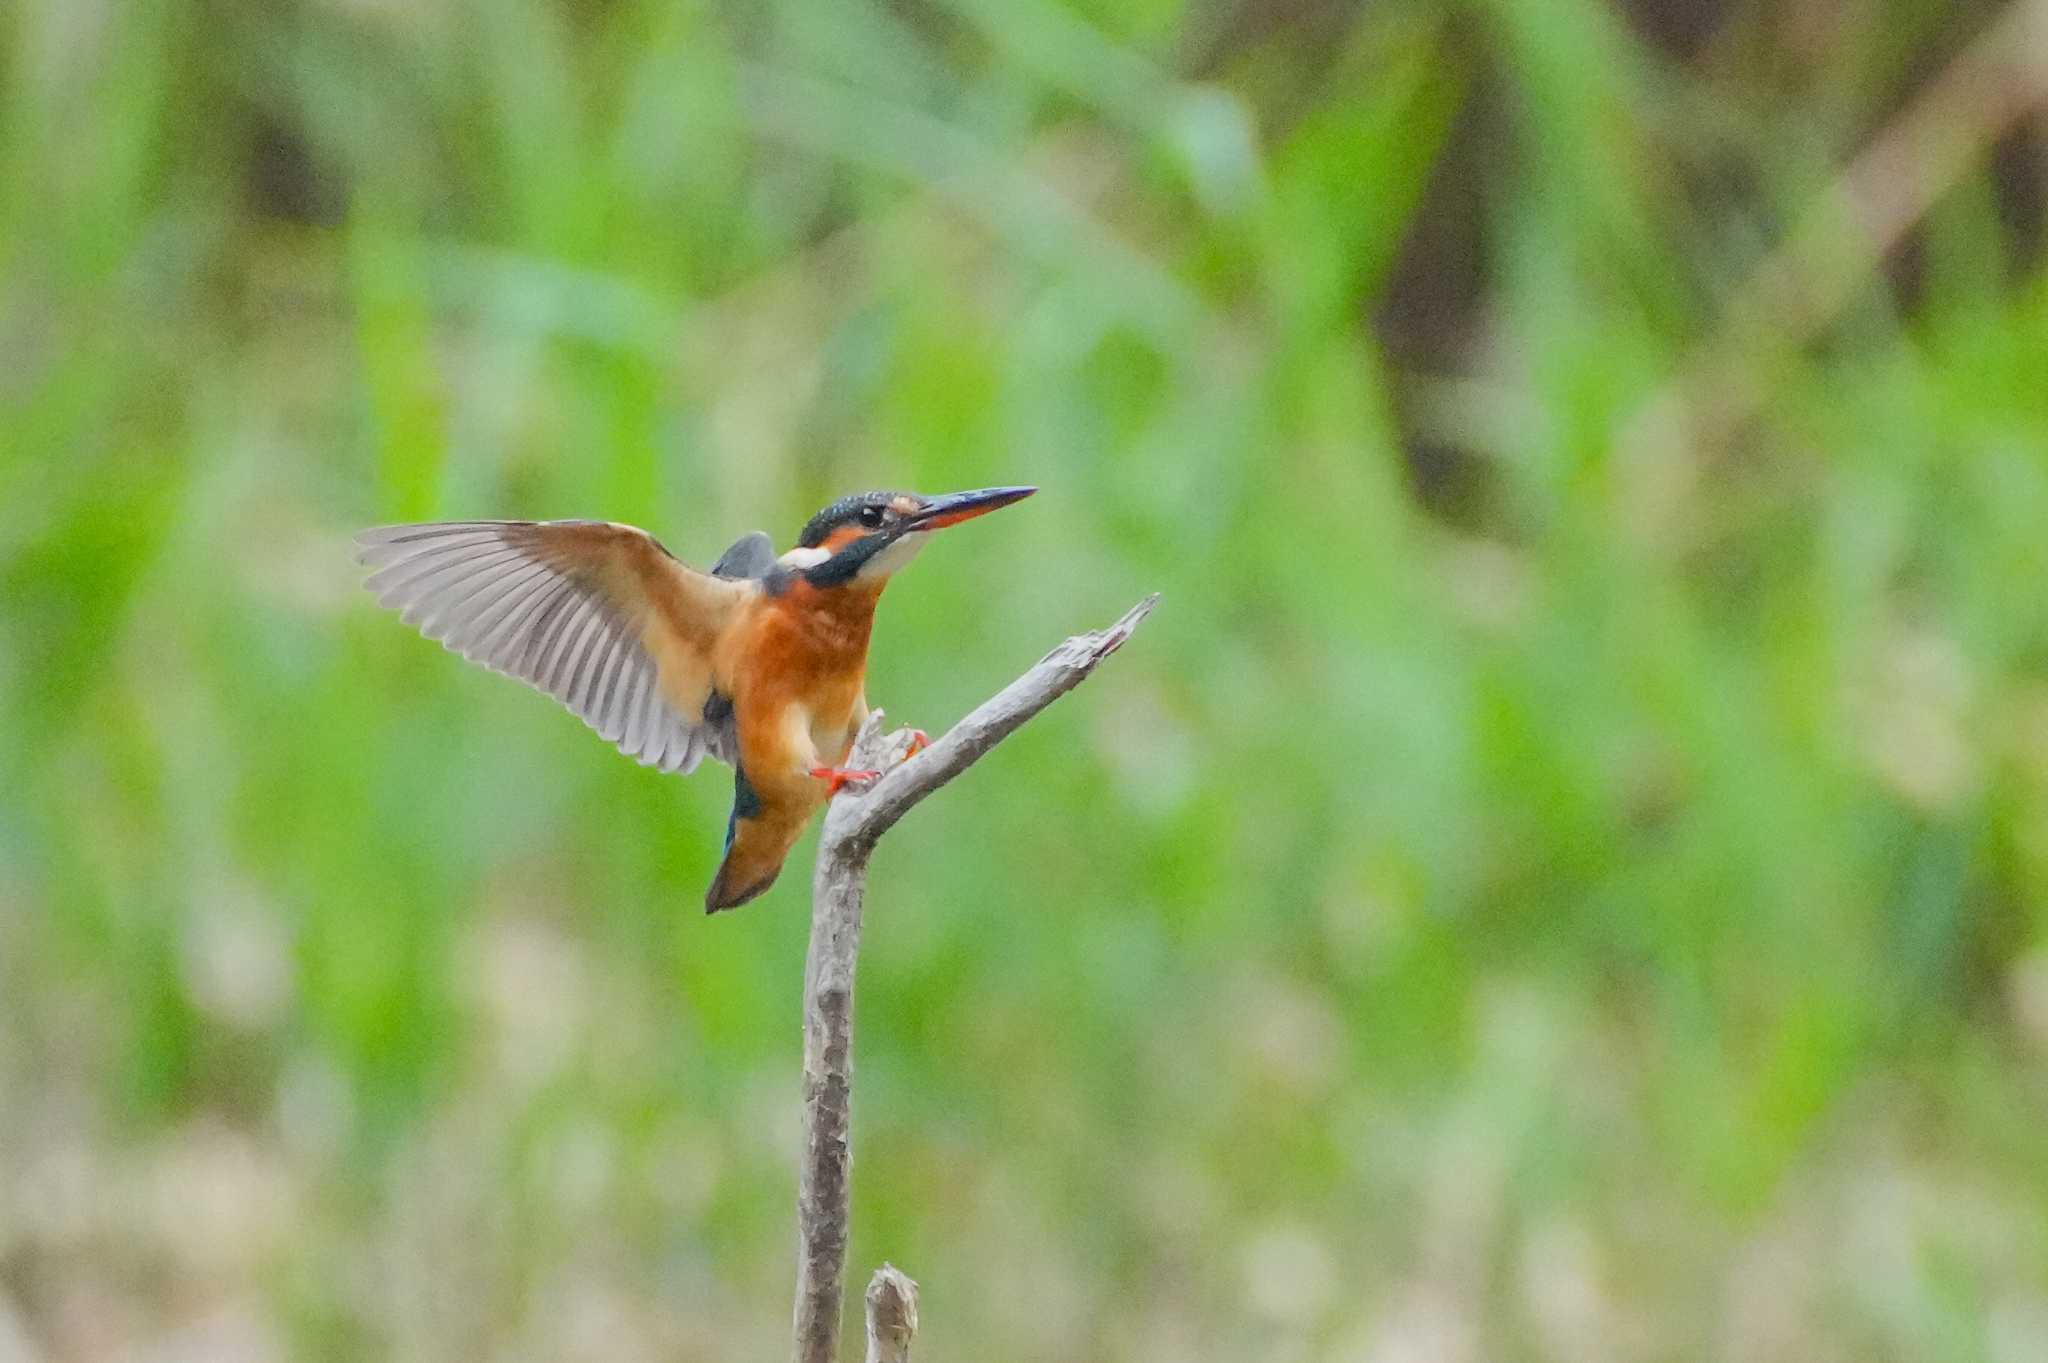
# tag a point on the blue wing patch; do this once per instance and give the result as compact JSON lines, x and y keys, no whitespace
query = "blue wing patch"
{"x":746,"y":803}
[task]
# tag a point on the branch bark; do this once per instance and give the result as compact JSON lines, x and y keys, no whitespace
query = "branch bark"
{"x":853,"y":824}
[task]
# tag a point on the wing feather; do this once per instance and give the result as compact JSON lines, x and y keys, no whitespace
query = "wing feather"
{"x":489,"y":605}
{"x":444,"y":564}
{"x":595,"y":669}
{"x":517,"y":631}
{"x":597,"y":615}
{"x":518,"y":593}
{"x":624,"y":707}
{"x":579,"y":659}
{"x":548,"y":648}
{"x":599,"y":672}
{"x":561,"y":617}
{"x":751,"y":555}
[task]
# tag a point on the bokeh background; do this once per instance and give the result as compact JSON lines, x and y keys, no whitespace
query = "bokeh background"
{"x":1561,"y":877}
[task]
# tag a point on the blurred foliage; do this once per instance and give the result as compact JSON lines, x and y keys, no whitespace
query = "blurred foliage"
{"x":1535,"y":890}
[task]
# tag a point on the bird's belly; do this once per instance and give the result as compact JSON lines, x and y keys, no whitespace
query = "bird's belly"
{"x":783,"y":736}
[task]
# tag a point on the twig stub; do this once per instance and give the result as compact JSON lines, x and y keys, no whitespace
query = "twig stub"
{"x":892,"y":1315}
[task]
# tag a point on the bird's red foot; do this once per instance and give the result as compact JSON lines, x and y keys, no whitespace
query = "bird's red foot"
{"x":919,"y":741}
{"x":838,"y":778}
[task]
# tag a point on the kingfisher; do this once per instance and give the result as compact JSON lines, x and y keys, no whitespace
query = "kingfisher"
{"x":761,"y":662}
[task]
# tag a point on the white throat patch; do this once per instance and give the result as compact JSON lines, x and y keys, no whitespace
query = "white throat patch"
{"x":900,"y":552}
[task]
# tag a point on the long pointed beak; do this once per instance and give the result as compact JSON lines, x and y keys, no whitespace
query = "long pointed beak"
{"x":941,"y":512}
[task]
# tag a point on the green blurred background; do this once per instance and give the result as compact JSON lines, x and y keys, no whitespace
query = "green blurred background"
{"x":1561,"y":877}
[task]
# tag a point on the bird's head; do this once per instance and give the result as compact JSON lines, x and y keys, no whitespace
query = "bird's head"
{"x":869,"y":535}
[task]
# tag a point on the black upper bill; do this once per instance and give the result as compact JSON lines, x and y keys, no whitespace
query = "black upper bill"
{"x":954,"y":508}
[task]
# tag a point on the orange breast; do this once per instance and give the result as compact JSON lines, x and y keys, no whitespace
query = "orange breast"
{"x":805,"y":647}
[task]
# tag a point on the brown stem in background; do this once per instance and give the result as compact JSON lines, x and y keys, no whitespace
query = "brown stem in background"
{"x":1804,"y":284}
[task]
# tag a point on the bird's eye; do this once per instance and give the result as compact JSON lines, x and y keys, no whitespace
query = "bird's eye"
{"x":871,"y":516}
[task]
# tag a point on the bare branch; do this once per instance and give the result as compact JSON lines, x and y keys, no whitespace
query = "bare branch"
{"x":892,"y":1315}
{"x":838,"y":890}
{"x":859,"y":822}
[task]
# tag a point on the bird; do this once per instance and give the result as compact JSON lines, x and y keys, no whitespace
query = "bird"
{"x":760,"y":662}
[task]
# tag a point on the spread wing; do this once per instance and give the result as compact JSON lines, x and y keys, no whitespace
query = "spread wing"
{"x":595,"y":614}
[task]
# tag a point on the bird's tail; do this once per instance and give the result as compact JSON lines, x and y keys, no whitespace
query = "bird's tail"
{"x":753,"y":858}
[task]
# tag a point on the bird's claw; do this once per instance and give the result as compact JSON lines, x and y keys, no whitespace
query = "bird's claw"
{"x":837,"y":779}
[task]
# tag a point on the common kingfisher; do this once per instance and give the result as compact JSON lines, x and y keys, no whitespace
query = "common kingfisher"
{"x":760,"y":662}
